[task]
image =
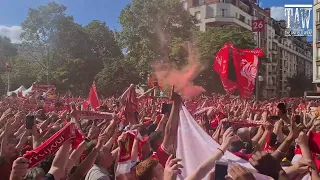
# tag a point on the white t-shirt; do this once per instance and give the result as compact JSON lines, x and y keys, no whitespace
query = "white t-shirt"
{"x":97,"y":173}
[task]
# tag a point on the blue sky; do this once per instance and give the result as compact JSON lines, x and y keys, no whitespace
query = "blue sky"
{"x":13,"y":12}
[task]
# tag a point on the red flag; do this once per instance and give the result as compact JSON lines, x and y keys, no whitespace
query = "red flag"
{"x":20,"y":94}
{"x":93,"y":97}
{"x":131,"y":101}
{"x":220,"y":65}
{"x":246,"y":65}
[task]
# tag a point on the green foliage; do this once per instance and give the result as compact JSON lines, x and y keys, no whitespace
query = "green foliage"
{"x":148,"y":28}
{"x":7,"y":52}
{"x":115,"y":77}
{"x":22,"y":72}
{"x":68,"y":55}
{"x":209,"y":43}
{"x":299,"y":84}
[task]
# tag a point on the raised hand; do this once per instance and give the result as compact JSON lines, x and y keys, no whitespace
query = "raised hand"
{"x":237,"y":172}
{"x":172,"y":168}
{"x":228,"y":137}
{"x":303,"y":139}
{"x":262,"y":161}
{"x":19,"y":169}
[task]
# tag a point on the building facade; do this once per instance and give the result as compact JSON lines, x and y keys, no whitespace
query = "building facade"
{"x":316,"y":41}
{"x":286,"y":56}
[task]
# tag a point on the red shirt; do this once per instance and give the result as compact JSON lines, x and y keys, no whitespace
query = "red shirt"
{"x":161,"y":155}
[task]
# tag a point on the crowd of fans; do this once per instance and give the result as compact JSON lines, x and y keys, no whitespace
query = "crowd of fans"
{"x":279,"y":137}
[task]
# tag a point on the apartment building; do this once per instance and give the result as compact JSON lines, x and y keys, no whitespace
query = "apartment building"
{"x":283,"y":58}
{"x":294,"y":56}
{"x":316,"y":41}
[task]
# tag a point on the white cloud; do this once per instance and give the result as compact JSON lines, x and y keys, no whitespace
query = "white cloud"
{"x":260,"y":4}
{"x":277,"y":13}
{"x":12,"y":32}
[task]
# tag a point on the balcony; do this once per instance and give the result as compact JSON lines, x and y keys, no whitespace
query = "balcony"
{"x":318,"y":43}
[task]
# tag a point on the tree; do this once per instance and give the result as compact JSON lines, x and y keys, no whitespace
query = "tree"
{"x":299,"y":83}
{"x":148,"y":28}
{"x":22,"y":72}
{"x":115,"y":77}
{"x":209,"y":43}
{"x":103,"y":43}
{"x":7,"y":52}
{"x":39,"y":31}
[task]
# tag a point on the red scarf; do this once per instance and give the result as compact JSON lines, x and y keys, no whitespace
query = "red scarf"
{"x":52,"y":145}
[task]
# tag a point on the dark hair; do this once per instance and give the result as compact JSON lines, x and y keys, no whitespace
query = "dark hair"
{"x":33,"y":173}
{"x":236,"y":146}
{"x":153,"y":138}
{"x":143,"y":131}
{"x":46,"y":164}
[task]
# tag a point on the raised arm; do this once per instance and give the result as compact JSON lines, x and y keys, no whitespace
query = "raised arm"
{"x":58,"y":167}
{"x":170,"y":134}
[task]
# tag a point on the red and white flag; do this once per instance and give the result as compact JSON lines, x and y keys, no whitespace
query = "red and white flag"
{"x":125,"y":161}
{"x":246,"y":65}
{"x":221,"y":64}
{"x":93,"y":97}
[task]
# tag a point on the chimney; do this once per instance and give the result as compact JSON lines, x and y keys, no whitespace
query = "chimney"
{"x":268,"y":10}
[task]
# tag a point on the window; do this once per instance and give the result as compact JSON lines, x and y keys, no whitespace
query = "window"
{"x":318,"y":16}
{"x":223,"y":12}
{"x":236,"y":15}
{"x":318,"y":54}
{"x":210,"y":12}
{"x":185,"y":5}
{"x":249,"y":21}
{"x":242,"y":18}
{"x":198,"y":15}
{"x":201,"y":2}
{"x":318,"y":72}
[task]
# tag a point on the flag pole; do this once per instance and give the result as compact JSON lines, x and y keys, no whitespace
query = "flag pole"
{"x":8,"y":80}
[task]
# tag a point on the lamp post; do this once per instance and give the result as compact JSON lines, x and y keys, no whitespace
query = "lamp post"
{"x":259,"y":80}
{"x":288,"y":89}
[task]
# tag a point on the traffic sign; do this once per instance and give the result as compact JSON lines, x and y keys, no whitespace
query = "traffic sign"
{"x":258,"y":25}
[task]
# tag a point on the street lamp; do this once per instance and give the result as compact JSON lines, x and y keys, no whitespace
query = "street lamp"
{"x":259,"y":80}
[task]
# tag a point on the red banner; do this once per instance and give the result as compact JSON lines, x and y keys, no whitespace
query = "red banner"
{"x":42,"y":87}
{"x":246,"y":65}
{"x":221,"y":62}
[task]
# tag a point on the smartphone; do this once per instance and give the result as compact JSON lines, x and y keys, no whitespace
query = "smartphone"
{"x":221,"y":170}
{"x":166,"y":108}
{"x":274,"y":118}
{"x":226,"y":125}
{"x":29,"y":122}
{"x":282,"y":108}
{"x":297,"y":119}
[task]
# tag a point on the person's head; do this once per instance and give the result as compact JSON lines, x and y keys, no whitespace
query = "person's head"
{"x":155,"y":140}
{"x":104,"y":160}
{"x":35,"y":174}
{"x":244,"y":134}
{"x":236,"y":146}
{"x":149,"y":169}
